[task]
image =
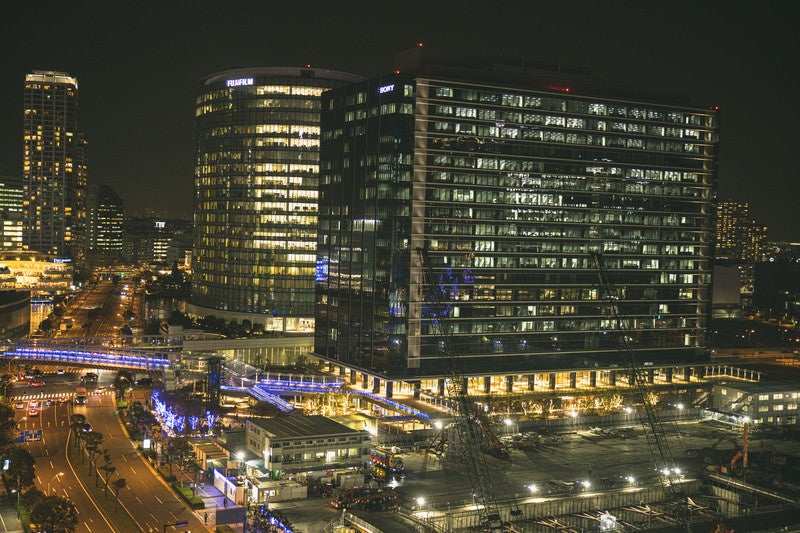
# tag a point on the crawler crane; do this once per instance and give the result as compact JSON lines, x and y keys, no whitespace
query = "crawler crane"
{"x":654,"y":430}
{"x":470,"y":434}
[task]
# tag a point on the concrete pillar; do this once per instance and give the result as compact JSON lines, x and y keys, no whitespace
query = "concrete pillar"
{"x":531,"y":381}
{"x":353,"y":377}
{"x":668,"y":375}
{"x":593,"y":378}
{"x":612,"y":378}
{"x":389,"y":389}
{"x":376,"y":385}
{"x":509,"y":384}
{"x":552,"y":381}
{"x":440,"y":387}
{"x":651,"y":375}
{"x":701,"y":372}
{"x":364,"y":381}
{"x":341,"y":370}
{"x":487,"y":384}
{"x":417,"y":390}
{"x":687,"y":373}
{"x":573,"y":380}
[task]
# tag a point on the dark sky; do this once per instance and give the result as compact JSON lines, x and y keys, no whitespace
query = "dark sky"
{"x":137,"y":65}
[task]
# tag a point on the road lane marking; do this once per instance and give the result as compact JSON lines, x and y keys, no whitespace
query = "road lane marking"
{"x":159,"y":500}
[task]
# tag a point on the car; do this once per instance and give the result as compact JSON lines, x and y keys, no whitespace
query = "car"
{"x":20,"y":405}
{"x":36,"y":383}
{"x":33,"y":412}
{"x":145,"y":382}
{"x":87,"y":427}
{"x":48,"y":402}
{"x":61,"y":372}
{"x":100,"y":390}
{"x":34,"y":404}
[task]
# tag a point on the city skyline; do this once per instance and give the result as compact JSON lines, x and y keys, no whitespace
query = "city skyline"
{"x":138,"y":72}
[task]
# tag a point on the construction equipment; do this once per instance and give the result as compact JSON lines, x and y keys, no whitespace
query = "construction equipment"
{"x":654,"y":430}
{"x":469,"y":429}
{"x":386,"y":464}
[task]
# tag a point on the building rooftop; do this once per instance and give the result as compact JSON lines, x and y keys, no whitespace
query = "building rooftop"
{"x":300,"y":426}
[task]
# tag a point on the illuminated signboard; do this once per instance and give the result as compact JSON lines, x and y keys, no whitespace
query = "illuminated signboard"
{"x":386,"y":88}
{"x":239,"y":82}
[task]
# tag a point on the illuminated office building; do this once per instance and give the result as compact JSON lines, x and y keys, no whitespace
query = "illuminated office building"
{"x":10,"y":213}
{"x":105,"y":228}
{"x":255,"y":210}
{"x":54,"y":165}
{"x":511,"y":178}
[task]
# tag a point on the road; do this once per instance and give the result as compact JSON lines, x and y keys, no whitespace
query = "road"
{"x":147,"y":498}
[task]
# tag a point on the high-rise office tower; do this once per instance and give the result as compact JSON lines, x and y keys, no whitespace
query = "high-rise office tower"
{"x":10,"y":213}
{"x":54,"y":165}
{"x":255,"y":211}
{"x":511,"y":178}
{"x":105,"y":226}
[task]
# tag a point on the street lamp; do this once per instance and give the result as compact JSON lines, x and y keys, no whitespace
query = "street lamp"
{"x":53,"y":479}
{"x":15,"y":490}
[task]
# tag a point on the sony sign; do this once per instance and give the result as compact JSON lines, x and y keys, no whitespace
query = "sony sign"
{"x":239,"y":82}
{"x":386,"y":88}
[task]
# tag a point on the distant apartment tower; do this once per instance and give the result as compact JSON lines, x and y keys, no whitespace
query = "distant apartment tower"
{"x":255,"y":211}
{"x":105,"y":226}
{"x":156,"y":241}
{"x":54,"y":165}
{"x":739,"y":238}
{"x":10,"y":213}
{"x":511,"y":178}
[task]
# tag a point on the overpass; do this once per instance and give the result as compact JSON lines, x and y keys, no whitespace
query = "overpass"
{"x":96,"y":352}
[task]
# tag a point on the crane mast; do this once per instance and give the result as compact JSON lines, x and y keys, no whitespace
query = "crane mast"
{"x":470,"y":434}
{"x":654,"y":430}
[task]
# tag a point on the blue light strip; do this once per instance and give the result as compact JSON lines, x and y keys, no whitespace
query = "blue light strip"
{"x":93,"y":358}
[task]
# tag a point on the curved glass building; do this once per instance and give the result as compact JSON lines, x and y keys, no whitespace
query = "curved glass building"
{"x":255,"y":212}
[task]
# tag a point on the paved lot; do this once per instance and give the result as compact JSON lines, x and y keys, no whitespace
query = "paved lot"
{"x":581,"y":454}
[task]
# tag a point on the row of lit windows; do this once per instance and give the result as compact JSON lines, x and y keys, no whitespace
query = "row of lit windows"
{"x":575,"y":105}
{"x":538,"y":134}
{"x":384,"y":109}
{"x":247,"y":168}
{"x":298,"y":130}
{"x":505,"y":120}
{"x":260,"y":90}
{"x":270,"y":104}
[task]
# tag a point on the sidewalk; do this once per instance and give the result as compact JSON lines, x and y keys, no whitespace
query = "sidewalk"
{"x":8,"y":518}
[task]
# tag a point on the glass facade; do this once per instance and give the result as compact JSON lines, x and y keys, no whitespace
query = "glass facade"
{"x":54,"y":165}
{"x":510,"y":189}
{"x":257,"y":133}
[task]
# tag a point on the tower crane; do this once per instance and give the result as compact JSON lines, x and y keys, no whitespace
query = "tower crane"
{"x":654,"y":430}
{"x":470,"y":433}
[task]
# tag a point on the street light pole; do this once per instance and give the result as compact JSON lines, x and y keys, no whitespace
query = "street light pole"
{"x":53,"y":479}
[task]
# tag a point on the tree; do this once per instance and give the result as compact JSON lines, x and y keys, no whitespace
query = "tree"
{"x":118,"y":485}
{"x":76,"y":423}
{"x":21,"y":467}
{"x":8,"y":424}
{"x":92,"y":441}
{"x":122,"y":381}
{"x":108,"y":470}
{"x":55,"y":514}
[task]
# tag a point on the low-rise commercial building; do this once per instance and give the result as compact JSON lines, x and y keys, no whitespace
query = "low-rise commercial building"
{"x":293,"y":444}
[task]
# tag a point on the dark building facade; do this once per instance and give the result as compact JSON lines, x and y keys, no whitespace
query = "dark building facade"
{"x":10,"y":213}
{"x":54,"y":165}
{"x":255,"y":211}
{"x":511,"y":180}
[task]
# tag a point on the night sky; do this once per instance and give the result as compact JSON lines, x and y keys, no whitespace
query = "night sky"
{"x":138,"y":63}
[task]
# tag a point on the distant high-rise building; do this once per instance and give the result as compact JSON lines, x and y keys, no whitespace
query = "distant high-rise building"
{"x":10,"y":213}
{"x":54,"y":165}
{"x":157,"y":241}
{"x":739,"y":238}
{"x":255,"y":210}
{"x":105,"y":227}
{"x":511,"y":178}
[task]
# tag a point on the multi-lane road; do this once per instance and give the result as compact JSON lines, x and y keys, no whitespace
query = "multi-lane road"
{"x":149,"y":501}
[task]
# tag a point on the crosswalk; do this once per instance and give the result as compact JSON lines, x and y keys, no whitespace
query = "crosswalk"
{"x":44,"y":395}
